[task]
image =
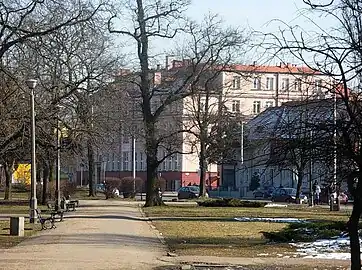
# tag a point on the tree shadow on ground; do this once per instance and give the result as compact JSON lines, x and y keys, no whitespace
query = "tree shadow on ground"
{"x":102,"y":239}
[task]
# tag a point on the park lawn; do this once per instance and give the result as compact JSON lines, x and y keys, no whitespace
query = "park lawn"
{"x":316,"y":213}
{"x":15,"y":195}
{"x":227,"y":237}
{"x":216,"y":238}
{"x":7,"y":241}
{"x":18,"y":209}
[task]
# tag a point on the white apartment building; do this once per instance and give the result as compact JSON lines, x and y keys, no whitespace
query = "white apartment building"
{"x":246,"y":90}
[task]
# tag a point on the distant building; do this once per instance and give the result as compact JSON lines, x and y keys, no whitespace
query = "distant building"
{"x":244,"y":90}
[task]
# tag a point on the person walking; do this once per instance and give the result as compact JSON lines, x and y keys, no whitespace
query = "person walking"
{"x":317,"y":192}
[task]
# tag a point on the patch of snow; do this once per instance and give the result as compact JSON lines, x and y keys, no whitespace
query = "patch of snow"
{"x":324,"y":249}
{"x":275,"y":205}
{"x":263,"y":254}
{"x":275,"y":220}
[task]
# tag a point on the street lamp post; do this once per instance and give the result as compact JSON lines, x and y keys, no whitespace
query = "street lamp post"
{"x":31,"y":83}
{"x":57,"y":176}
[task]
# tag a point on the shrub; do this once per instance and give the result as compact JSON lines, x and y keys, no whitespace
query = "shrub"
{"x":110,"y":185}
{"x":230,"y":202}
{"x":20,"y":187}
{"x":127,"y":186}
{"x":306,"y":232}
{"x":67,"y":188}
{"x":161,"y":183}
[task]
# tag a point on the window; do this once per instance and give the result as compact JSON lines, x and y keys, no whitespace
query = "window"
{"x":125,"y":161}
{"x":318,"y":85}
{"x":202,"y":106}
{"x":256,"y":107}
{"x":285,"y":84}
{"x":141,"y":162}
{"x":113,"y":162}
{"x":270,"y":83}
{"x":169,"y":163}
{"x":236,"y":82}
{"x":136,"y":159}
{"x":269,"y":104}
{"x":164,"y":163}
{"x":236,"y":106}
{"x":298,"y":85}
{"x":175,"y":162}
{"x":125,"y":139}
{"x":257,"y":83}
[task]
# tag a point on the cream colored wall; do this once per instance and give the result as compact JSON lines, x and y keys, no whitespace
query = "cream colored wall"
{"x":247,"y":94}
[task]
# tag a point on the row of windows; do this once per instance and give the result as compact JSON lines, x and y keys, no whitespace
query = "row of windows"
{"x":235,"y":106}
{"x":270,"y":84}
{"x":171,"y":163}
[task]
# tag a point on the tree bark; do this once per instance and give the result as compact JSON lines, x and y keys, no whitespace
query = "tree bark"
{"x":8,"y":169}
{"x":45,"y":183}
{"x":203,"y":166}
{"x":354,"y":235}
{"x":152,"y":197}
{"x":90,"y":150}
{"x":299,"y":184}
{"x":51,"y":179}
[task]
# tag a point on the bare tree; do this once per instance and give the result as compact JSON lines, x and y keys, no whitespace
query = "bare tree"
{"x":336,"y":52}
{"x":206,"y":106}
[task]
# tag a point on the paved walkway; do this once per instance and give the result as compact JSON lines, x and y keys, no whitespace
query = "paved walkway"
{"x":99,"y":235}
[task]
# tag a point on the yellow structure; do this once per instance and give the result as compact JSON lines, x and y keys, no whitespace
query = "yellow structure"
{"x":22,"y":174}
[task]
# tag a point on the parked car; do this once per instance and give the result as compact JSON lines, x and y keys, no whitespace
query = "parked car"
{"x":287,"y":195}
{"x":188,"y":192}
{"x":258,"y":193}
{"x":265,"y":193}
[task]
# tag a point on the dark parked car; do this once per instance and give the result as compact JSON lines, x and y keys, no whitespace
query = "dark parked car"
{"x":189,"y":192}
{"x":265,"y":194}
{"x":287,"y":195}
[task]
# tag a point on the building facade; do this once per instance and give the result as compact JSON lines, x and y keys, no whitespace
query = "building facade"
{"x":244,"y":90}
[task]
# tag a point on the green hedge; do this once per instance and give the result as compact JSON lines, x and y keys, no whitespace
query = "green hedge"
{"x":229,"y":202}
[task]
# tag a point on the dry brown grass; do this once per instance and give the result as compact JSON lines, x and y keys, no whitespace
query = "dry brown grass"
{"x":316,"y":213}
{"x":218,"y":238}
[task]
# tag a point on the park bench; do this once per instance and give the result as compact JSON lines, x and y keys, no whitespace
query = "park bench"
{"x":68,"y":205}
{"x":46,"y":223}
{"x":54,"y":213}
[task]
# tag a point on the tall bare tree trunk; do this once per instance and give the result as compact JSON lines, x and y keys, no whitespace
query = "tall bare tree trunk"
{"x":8,"y":177}
{"x":300,"y":175}
{"x":90,"y":150}
{"x":152,"y":197}
{"x":203,"y":167}
{"x":51,"y":178}
{"x":354,"y":235}
{"x":45,"y":183}
{"x":8,"y":169}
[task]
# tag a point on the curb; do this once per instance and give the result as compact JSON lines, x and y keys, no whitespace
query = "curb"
{"x":157,"y":232}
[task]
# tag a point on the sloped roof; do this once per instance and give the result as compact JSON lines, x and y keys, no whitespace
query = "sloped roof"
{"x":294,"y":69}
{"x":289,"y":119}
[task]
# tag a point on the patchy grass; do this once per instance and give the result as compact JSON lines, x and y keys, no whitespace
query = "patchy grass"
{"x":18,"y":209}
{"x":193,"y":236}
{"x":316,"y":213}
{"x":16,"y":195}
{"x":7,"y":241}
{"x":221,"y":238}
{"x":82,"y":194}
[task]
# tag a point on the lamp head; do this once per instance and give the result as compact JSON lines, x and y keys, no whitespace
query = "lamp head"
{"x":31,"y":83}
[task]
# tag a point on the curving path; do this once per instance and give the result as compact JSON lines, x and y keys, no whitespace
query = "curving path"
{"x":99,"y":235}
